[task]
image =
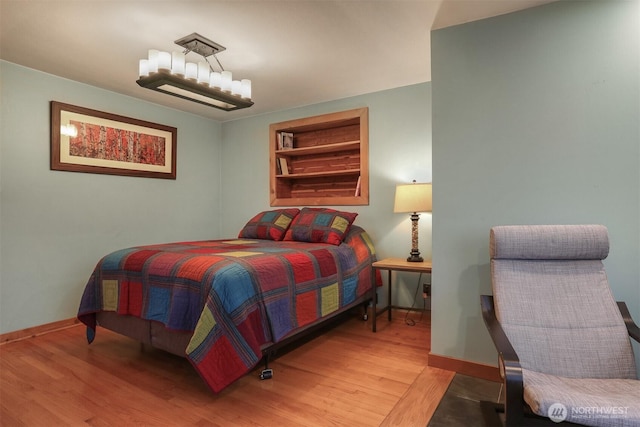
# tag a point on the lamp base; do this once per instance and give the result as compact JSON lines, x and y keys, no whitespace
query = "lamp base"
{"x":415,"y":257}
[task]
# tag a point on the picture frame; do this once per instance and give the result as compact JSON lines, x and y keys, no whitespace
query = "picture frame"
{"x":287,"y":140}
{"x":91,"y":141}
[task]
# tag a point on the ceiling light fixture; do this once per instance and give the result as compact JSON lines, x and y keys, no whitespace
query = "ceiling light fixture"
{"x":169,"y":73}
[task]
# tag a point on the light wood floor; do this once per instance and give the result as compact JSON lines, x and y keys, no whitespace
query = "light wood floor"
{"x":346,"y":376}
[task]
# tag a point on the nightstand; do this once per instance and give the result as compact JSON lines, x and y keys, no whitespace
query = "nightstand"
{"x":394,"y":264}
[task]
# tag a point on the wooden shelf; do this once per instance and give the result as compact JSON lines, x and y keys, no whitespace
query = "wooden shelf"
{"x":328,"y":163}
{"x":320,"y":149}
{"x":320,"y":174}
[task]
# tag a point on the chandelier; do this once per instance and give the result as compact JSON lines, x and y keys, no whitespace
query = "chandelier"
{"x":198,"y":82}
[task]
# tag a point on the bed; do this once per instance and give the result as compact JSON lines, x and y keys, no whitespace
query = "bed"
{"x":225,"y":304}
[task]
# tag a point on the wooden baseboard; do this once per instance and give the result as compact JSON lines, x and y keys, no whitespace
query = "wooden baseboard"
{"x":397,"y":307}
{"x":465,"y":367}
{"x":37,"y":330}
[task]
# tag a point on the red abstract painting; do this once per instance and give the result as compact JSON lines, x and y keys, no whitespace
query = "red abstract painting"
{"x":107,"y":143}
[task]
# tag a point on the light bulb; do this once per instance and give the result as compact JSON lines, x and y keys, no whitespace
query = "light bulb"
{"x":153,"y":61}
{"x":203,"y":72}
{"x":246,"y":88}
{"x":143,"y":69}
{"x":215,"y":80}
{"x":226,"y":81}
{"x":236,"y":87}
{"x":177,"y":63}
{"x":164,"y":61}
{"x":191,"y":72}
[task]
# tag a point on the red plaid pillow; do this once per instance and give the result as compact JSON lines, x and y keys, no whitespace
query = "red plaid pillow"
{"x":320,"y":225}
{"x":269,"y":225}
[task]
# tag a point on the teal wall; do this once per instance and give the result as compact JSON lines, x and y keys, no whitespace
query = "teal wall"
{"x":55,"y":226}
{"x":535,"y":121}
{"x":399,"y":151}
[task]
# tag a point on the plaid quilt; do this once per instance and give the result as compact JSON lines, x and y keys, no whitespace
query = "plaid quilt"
{"x":235,"y":295}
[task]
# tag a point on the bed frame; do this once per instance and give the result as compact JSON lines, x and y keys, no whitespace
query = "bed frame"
{"x":175,"y":342}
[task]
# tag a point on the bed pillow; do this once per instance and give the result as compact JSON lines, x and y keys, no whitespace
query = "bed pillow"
{"x":269,"y":225}
{"x":320,"y":225}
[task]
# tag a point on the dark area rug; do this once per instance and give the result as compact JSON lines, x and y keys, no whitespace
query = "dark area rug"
{"x":461,"y":405}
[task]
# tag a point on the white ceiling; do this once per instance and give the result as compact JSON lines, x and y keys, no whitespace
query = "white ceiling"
{"x":295,"y":52}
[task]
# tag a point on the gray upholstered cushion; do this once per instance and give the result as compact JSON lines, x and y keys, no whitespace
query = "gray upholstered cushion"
{"x":549,"y":242}
{"x":592,"y":402}
{"x":557,"y":309}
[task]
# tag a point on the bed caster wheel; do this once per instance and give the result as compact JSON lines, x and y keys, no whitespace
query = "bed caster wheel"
{"x":266,"y":374}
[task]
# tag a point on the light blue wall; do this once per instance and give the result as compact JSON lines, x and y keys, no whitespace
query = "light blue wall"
{"x":535,"y":121}
{"x":399,"y":151}
{"x":55,"y":226}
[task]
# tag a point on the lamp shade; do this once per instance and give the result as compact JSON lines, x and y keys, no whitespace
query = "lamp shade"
{"x":415,"y":197}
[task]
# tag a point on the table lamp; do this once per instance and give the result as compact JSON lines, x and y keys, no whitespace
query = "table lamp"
{"x":414,"y":198}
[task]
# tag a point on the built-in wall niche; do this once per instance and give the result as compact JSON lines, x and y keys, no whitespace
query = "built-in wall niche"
{"x":320,"y":160}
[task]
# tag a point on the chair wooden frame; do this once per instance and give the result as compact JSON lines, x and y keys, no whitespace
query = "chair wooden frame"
{"x":516,"y":412}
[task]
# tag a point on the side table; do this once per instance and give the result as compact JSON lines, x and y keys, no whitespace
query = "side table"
{"x":394,"y":264}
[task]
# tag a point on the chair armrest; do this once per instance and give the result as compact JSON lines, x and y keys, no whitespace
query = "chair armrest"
{"x":510,"y":364}
{"x":634,"y":330}
{"x":499,"y":337}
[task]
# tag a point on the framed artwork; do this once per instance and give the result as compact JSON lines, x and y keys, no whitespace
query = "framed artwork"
{"x":285,"y":140}
{"x":85,"y":140}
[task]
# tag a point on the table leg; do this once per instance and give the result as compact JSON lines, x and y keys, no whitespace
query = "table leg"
{"x":374,"y":302}
{"x":389,"y":300}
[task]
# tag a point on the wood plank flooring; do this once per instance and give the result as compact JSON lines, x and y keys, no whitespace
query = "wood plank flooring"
{"x":344,"y":376}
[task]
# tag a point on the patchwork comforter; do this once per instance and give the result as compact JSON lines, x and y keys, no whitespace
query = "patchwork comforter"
{"x":235,"y":295}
